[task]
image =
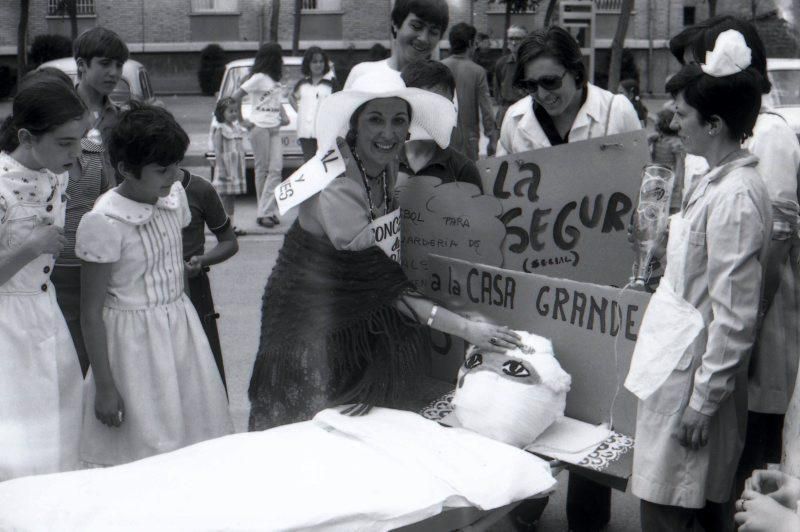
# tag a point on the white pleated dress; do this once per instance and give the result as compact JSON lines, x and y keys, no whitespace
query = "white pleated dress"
{"x":158,"y":353}
{"x":40,"y":378}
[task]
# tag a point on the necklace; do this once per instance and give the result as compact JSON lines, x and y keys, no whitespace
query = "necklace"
{"x":372,"y":216}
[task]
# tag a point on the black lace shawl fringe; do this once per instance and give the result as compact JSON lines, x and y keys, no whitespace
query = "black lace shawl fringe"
{"x":345,"y":303}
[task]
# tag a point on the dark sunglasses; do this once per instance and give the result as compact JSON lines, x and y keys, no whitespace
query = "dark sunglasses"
{"x":548,"y":83}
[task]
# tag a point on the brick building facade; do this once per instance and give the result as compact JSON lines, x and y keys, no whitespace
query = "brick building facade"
{"x":167,"y":35}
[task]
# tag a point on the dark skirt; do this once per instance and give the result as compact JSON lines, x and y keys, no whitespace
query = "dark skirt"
{"x":200,"y":294}
{"x":331,"y":333}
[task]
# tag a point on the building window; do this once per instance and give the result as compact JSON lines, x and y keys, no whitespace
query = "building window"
{"x":608,"y":6}
{"x":688,"y":15}
{"x":317,"y":6}
{"x":496,"y":6}
{"x":215,"y":6}
{"x":58,"y":8}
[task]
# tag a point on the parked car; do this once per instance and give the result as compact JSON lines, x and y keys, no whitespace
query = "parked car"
{"x":785,"y":96}
{"x":235,"y":74}
{"x":134,"y":83}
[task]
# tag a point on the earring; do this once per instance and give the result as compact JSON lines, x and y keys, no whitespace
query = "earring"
{"x":408,"y":136}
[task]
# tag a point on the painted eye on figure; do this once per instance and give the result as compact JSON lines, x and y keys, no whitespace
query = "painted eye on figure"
{"x":514,"y":368}
{"x":475,"y":360}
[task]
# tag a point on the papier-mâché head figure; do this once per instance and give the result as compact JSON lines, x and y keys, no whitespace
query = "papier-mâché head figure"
{"x":512,"y":397}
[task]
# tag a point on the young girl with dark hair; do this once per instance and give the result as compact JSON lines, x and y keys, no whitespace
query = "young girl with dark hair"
{"x":266,"y":116}
{"x":229,"y":167}
{"x":308,"y":94}
{"x":153,"y":385}
{"x":689,"y":368}
{"x":40,"y":377}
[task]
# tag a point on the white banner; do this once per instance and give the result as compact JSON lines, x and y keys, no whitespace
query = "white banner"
{"x":309,"y":179}
{"x":386,"y":231}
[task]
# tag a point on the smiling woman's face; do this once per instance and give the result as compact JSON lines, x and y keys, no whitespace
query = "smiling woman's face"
{"x":381,"y":130}
{"x":557,"y":100}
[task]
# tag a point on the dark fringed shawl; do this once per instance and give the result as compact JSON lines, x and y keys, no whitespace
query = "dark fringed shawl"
{"x":342,"y":303}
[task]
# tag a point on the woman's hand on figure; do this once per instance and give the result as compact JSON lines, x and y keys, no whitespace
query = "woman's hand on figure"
{"x":783,"y":488}
{"x":490,"y":337}
{"x":109,"y":407}
{"x":358,"y":409}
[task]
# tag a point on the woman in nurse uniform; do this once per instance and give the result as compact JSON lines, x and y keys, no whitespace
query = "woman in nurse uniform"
{"x":689,"y":368}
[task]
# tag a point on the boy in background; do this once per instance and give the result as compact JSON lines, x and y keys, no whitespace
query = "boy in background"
{"x":100,"y":54}
{"x":424,"y":156}
{"x":417,"y":27}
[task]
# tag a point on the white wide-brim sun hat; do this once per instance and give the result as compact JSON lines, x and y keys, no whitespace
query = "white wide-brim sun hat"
{"x":432,"y":116}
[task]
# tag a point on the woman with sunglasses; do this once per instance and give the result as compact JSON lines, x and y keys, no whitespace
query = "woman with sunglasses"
{"x":561,"y":106}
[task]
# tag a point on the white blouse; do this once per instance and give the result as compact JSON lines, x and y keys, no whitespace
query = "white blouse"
{"x":603,"y":113}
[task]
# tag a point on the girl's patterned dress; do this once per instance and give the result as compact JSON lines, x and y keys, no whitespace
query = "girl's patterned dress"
{"x":40,"y":378}
{"x":229,"y":170}
{"x":158,"y":353}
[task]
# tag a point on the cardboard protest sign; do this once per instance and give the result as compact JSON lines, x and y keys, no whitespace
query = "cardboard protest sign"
{"x":566,"y":209}
{"x":450,"y":219}
{"x":593,"y":328}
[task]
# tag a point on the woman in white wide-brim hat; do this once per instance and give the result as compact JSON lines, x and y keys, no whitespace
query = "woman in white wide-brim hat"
{"x":341,"y":323}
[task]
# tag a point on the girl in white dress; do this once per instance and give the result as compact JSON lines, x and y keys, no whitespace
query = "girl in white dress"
{"x":229,"y":169}
{"x":40,"y":377}
{"x":153,"y":386}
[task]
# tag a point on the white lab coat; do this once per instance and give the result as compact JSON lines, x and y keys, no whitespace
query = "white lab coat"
{"x":603,"y":113}
{"x":729,"y":214}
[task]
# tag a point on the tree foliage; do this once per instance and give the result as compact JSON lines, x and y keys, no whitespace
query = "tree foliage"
{"x":517,"y":6}
{"x":48,"y":47}
{"x":22,"y":38}
{"x":514,"y":6}
{"x":618,"y":43}
{"x":212,"y":67}
{"x":70,"y":9}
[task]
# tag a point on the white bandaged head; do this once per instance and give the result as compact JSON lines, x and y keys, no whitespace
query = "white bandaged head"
{"x":730,"y":55}
{"x":512,"y":397}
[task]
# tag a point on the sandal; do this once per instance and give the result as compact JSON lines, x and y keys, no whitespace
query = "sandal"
{"x":265,"y":222}
{"x":239,"y":232}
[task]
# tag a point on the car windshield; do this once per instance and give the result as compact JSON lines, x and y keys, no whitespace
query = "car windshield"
{"x":236,"y":75}
{"x":785,"y":87}
{"x":144,"y":81}
{"x":121,"y":94}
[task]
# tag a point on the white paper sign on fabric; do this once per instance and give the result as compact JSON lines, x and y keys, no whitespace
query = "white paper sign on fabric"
{"x":669,"y":327}
{"x":309,"y":179}
{"x":386,"y":231}
{"x":569,"y":440}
